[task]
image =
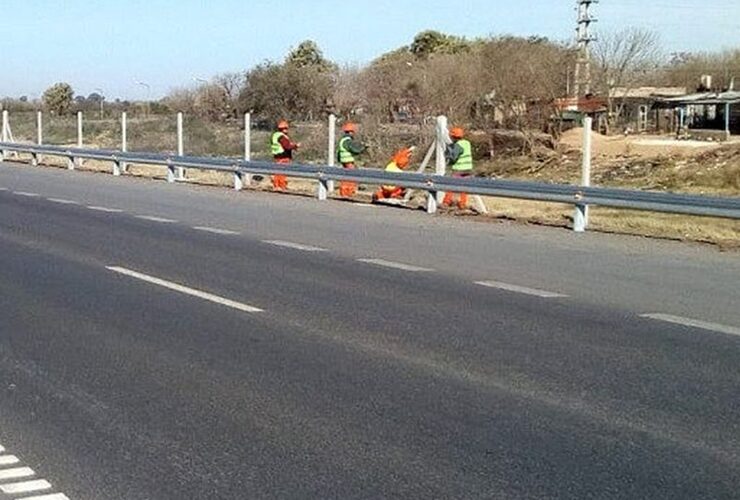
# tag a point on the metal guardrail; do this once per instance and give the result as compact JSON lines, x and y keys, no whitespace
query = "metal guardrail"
{"x":725,"y":207}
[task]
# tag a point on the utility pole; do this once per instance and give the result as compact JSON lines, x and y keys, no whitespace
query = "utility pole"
{"x":584,"y":38}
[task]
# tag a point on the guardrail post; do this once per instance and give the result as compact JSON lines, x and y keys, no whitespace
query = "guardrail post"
{"x":70,"y":161}
{"x":432,"y":202}
{"x":322,"y":192}
{"x":124,"y":140}
{"x":580,"y":216}
{"x":332,"y":151}
{"x":116,"y":167}
{"x":170,"y":171}
{"x":4,"y":153}
{"x":247,"y":178}
{"x":180,"y":147}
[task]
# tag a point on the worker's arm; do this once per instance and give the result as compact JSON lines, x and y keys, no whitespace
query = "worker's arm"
{"x":355,"y":147}
{"x":287,"y":144}
{"x":453,"y":153}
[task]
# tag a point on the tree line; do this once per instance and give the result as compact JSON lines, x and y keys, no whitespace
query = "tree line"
{"x":502,"y":81}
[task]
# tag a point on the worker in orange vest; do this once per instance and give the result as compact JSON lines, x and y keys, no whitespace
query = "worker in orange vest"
{"x":459,"y":157}
{"x":282,"y":147}
{"x":347,"y":149}
{"x":400,"y":161}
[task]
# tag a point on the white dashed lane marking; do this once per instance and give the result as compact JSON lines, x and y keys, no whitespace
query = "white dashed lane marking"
{"x":154,"y":218}
{"x":16,"y":473}
{"x":695,"y":323}
{"x":295,"y":246}
{"x":8,"y":460}
{"x":214,"y":230}
{"x":3,"y":189}
{"x":520,"y":289}
{"x":105,"y":209}
{"x":62,"y":201}
{"x":396,"y":265}
{"x":25,"y":486}
{"x":26,"y":193}
{"x":186,"y":290}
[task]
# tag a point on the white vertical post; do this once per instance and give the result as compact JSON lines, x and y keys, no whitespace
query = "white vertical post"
{"x":440,"y":166}
{"x":79,"y":129}
{"x":246,"y":179}
{"x":332,"y":151}
{"x":580,"y":217}
{"x":124,"y":139}
{"x":4,"y":153}
{"x":180,"y":146}
{"x":39,"y":128}
{"x":727,"y":120}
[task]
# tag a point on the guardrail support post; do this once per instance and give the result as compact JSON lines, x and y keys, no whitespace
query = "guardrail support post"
{"x":180,"y":147}
{"x":580,"y":216}
{"x":4,"y":153}
{"x":323,"y":190}
{"x":71,"y":162}
{"x":34,"y":159}
{"x":332,"y":151}
{"x":170,"y":172}
{"x":247,"y":178}
{"x":116,"y":167}
{"x":124,"y":140}
{"x":432,"y":202}
{"x":238,"y":181}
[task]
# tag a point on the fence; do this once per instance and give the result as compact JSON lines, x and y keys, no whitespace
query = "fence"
{"x":435,"y":184}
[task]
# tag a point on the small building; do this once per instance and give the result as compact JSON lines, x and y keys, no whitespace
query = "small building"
{"x":706,"y":115}
{"x":633,"y":109}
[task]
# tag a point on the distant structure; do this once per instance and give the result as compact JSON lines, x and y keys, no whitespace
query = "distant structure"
{"x":584,"y":38}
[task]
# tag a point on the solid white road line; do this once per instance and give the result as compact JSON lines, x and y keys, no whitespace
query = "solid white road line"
{"x":16,"y":473}
{"x":396,"y":265}
{"x":156,"y":219}
{"x":62,"y":201}
{"x":50,"y":496}
{"x":520,"y":289}
{"x":26,"y":193}
{"x":214,"y":230}
{"x":295,"y":246}
{"x":3,"y":189}
{"x":105,"y":209}
{"x":186,"y":290}
{"x":25,"y":486}
{"x":704,"y":325}
{"x":8,"y":460}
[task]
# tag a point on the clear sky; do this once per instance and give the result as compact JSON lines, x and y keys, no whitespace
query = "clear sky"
{"x":109,"y":44}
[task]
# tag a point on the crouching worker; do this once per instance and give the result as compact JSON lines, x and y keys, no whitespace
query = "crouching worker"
{"x":400,"y":161}
{"x":459,"y":157}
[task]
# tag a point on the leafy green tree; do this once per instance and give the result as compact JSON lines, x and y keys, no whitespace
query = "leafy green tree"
{"x":431,"y":42}
{"x":58,"y":98}
{"x":308,"y":54}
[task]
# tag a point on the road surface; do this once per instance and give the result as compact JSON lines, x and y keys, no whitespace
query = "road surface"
{"x":174,"y":341}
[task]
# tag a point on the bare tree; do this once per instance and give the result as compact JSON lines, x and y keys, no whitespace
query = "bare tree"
{"x":622,"y":59}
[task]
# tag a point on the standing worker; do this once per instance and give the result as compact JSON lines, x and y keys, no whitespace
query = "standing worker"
{"x":347,"y":148}
{"x":459,"y":156}
{"x":282,"y":152}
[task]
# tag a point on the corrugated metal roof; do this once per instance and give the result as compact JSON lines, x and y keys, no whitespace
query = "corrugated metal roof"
{"x":730,"y":96}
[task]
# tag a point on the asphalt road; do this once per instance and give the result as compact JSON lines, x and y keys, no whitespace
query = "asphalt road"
{"x":172,"y":341}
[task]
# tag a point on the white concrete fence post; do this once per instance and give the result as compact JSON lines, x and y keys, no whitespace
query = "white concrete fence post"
{"x":124,"y":139}
{"x":332,"y":150}
{"x":241,"y":180}
{"x":440,"y":166}
{"x":580,"y":216}
{"x":180,"y":146}
{"x":4,"y":153}
{"x":39,"y":128}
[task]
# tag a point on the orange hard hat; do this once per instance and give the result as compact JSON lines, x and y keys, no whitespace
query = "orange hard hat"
{"x":283,"y":125}
{"x":402,"y":157}
{"x":349,"y":127}
{"x":457,"y":133}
